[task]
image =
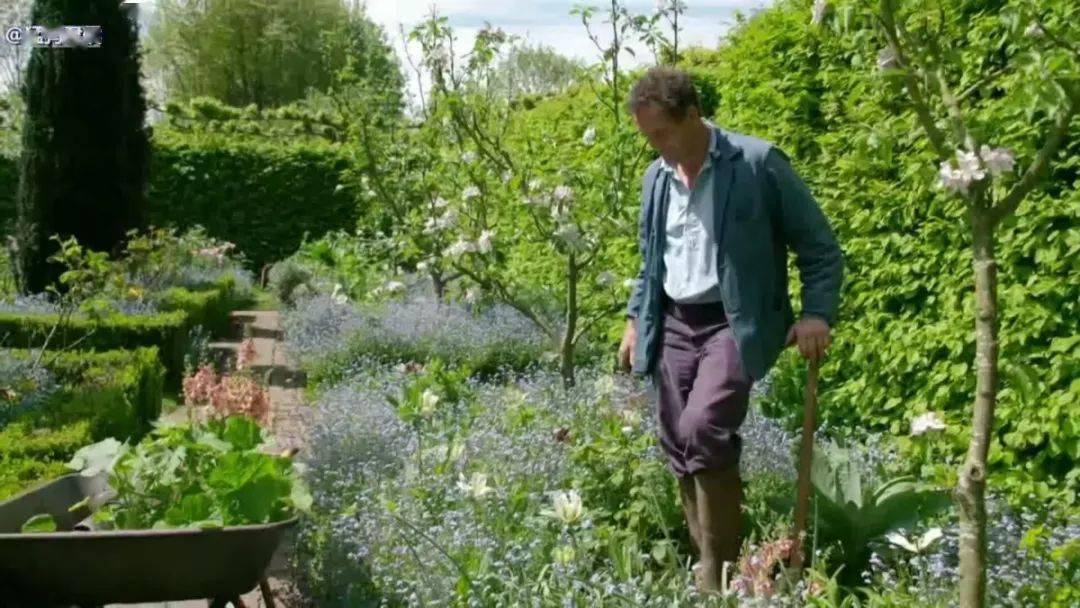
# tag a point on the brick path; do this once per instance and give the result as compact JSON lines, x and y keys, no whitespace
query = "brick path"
{"x":289,"y":421}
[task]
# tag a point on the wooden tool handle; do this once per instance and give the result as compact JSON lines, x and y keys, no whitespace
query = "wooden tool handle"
{"x":806,"y":458}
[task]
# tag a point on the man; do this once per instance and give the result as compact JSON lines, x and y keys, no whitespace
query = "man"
{"x":710,"y":313}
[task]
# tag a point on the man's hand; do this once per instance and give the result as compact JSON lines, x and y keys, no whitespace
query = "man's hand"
{"x":629,"y":340}
{"x":812,"y":336}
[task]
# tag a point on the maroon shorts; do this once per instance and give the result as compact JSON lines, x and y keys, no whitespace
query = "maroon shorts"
{"x":702,"y":389}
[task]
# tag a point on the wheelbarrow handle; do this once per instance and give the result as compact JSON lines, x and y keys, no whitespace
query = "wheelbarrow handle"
{"x":806,"y":458}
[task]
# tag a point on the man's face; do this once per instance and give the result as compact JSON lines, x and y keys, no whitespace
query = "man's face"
{"x":667,"y":135}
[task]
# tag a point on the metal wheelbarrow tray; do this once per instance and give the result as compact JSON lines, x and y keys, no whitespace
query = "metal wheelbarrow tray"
{"x":91,"y":568}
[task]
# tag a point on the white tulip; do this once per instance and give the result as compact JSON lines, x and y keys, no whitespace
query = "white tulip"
{"x":930,"y":421}
{"x":476,"y":486}
{"x":567,"y":507}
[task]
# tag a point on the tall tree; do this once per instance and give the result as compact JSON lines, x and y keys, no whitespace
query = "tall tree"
{"x":262,"y":52}
{"x":85,"y":144}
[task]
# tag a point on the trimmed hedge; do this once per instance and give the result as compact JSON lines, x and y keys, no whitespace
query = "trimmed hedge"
{"x":105,"y":394}
{"x":182,"y":309}
{"x":261,"y":195}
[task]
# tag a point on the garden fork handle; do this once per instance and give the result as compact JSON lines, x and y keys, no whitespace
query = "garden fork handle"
{"x":806,"y":458}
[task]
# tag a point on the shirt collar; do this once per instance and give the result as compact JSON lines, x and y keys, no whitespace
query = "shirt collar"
{"x":714,"y":149}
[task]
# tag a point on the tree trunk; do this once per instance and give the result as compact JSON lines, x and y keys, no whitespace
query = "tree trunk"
{"x":566,"y":354}
{"x":971,"y":488}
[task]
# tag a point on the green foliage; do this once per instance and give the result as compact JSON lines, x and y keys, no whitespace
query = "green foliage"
{"x":204,"y":476}
{"x":265,"y":52}
{"x":263,"y":196}
{"x":853,"y":511}
{"x":904,"y":344}
{"x":85,"y":143}
{"x":168,"y":330}
{"x":107,"y":394}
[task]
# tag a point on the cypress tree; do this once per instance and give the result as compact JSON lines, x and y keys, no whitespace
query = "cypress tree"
{"x":85,"y":146}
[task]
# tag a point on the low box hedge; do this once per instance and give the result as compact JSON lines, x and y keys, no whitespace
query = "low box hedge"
{"x":102,"y":394}
{"x":180,"y":310}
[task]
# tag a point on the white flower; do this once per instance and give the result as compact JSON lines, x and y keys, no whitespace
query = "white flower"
{"x":448,"y":220}
{"x":441,"y":203}
{"x":428,"y":401}
{"x":605,"y":278}
{"x":423,"y":266}
{"x":631,"y":420}
{"x":886,"y":59}
{"x":589,"y":138}
{"x":817,"y":14}
{"x":470,"y":192}
{"x":564,"y":193}
{"x":459,"y":248}
{"x":570,"y":234}
{"x":483,"y":244}
{"x":469,"y":156}
{"x":394,"y":287}
{"x":930,"y":421}
{"x":997,"y":160}
{"x":968,"y":170}
{"x":507,"y":176}
{"x":630,"y":283}
{"x":535,"y":184}
{"x":339,"y":294}
{"x":921,"y":544}
{"x":476,"y":486}
{"x":471,"y":294}
{"x":1034,"y":31}
{"x":566,"y":507}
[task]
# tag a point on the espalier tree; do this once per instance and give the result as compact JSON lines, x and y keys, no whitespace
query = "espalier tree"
{"x":85,"y":147}
{"x":968,"y":71}
{"x":501,"y":190}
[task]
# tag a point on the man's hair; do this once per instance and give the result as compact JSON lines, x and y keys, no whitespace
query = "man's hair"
{"x":670,"y":89}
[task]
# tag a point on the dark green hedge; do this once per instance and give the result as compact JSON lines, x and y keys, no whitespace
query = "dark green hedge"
{"x":103,"y":394}
{"x":263,"y":196}
{"x":167,"y":331}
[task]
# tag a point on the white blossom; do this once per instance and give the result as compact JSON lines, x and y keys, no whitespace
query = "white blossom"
{"x":968,"y":170}
{"x":423,"y":266}
{"x":448,"y":220}
{"x":459,"y":248}
{"x":483,"y":244}
{"x":919,"y":545}
{"x":570,"y":235}
{"x":887,"y":59}
{"x":1034,"y":31}
{"x":817,"y":14}
{"x":472,"y":294}
{"x":535,"y":184}
{"x":507,"y":176}
{"x":605,"y":278}
{"x":564,"y":193}
{"x":470,"y":192}
{"x":339,"y":294}
{"x":441,"y":203}
{"x":476,"y":486}
{"x":567,"y":507}
{"x":428,"y":402}
{"x":631,"y":420}
{"x":930,"y":421}
{"x":589,"y":138}
{"x":997,"y":160}
{"x":394,"y":287}
{"x":468,"y":157}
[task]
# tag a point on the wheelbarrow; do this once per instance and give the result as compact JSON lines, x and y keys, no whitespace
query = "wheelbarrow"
{"x":75,"y":566}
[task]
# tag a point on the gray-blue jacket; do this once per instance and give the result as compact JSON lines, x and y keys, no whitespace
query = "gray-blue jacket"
{"x":763,"y":208}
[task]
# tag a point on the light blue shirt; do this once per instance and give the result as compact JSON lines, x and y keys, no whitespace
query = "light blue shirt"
{"x":690,"y":248}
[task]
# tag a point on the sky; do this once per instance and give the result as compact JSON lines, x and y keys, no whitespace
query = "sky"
{"x":547,"y":22}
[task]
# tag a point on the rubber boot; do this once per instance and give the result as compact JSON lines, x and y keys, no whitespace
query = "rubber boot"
{"x":719,"y":505}
{"x":688,"y":496}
